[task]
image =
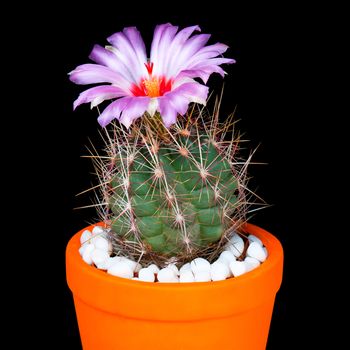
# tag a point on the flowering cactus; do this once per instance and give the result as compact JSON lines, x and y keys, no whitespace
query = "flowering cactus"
{"x":171,"y":186}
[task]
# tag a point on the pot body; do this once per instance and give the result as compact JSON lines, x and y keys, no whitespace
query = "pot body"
{"x":116,"y":313}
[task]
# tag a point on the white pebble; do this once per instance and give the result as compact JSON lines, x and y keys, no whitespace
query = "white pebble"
{"x":101,"y":243}
{"x":220,"y":260}
{"x":121,"y":269}
{"x":99,"y":256}
{"x":154,"y":268}
{"x":236,"y":245}
{"x":227,"y":256}
{"x":85,"y":237}
{"x":235,"y":238}
{"x":87,"y":253}
{"x":167,"y":275}
{"x":251,"y":263}
{"x":110,"y":262}
{"x":238,"y":268}
{"x":98,"y":230}
{"x":253,"y":238}
{"x":135,"y":279}
{"x":83,"y":248}
{"x":136,"y":267}
{"x":186,"y":276}
{"x":185,"y":267}
{"x":174,"y":268}
{"x":202,"y":276}
{"x":146,"y":275}
{"x":199,"y":265}
{"x":265,"y":250}
{"x":103,"y":265}
{"x":219,"y":271}
{"x":255,"y":250}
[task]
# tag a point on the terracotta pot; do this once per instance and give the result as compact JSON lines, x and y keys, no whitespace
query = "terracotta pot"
{"x":116,"y":313}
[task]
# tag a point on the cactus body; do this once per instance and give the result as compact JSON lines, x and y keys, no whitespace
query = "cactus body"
{"x":171,"y":196}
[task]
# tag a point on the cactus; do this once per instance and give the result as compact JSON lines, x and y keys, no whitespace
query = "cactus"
{"x":172,"y":194}
{"x":171,"y":186}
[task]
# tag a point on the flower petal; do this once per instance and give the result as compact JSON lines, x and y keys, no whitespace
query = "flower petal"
{"x":132,"y":54}
{"x":137,"y":43}
{"x":210,"y":51}
{"x":107,"y":58}
{"x":212,"y":61}
{"x":153,"y":106}
{"x":134,"y":109}
{"x":177,"y":101}
{"x":113,"y":111}
{"x":165,"y":41}
{"x":204,"y":70}
{"x":170,"y":46}
{"x":94,"y":73}
{"x":167,"y":111}
{"x":100,"y":93}
{"x":186,"y":51}
{"x":218,"y":47}
{"x":194,"y":91}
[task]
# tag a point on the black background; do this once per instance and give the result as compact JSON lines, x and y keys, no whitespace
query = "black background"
{"x":267,"y":87}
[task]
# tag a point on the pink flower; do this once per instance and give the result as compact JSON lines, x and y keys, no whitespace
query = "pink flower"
{"x":164,"y":83}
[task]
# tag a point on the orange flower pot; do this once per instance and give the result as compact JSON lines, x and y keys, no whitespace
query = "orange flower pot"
{"x":116,"y":313}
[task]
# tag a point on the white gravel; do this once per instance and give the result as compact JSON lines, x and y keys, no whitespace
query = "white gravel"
{"x":186,"y":276}
{"x":121,"y":269}
{"x":167,"y":275}
{"x":236,"y":245}
{"x":219,"y":271}
{"x":96,"y":249}
{"x":238,"y":268}
{"x":200,"y":265}
{"x":255,"y":250}
{"x":147,"y":275}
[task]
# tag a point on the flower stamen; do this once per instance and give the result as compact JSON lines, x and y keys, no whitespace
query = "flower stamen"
{"x":151,"y":87}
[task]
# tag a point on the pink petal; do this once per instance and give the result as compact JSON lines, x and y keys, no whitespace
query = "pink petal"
{"x":167,"y":111}
{"x":176,"y":45}
{"x":177,"y":101}
{"x":158,"y":32}
{"x":204,"y":70}
{"x":198,"y":63}
{"x":132,"y":54}
{"x":211,"y":51}
{"x":107,"y":58}
{"x":103,"y":92}
{"x":186,"y":51}
{"x":163,"y":50}
{"x":212,"y":61}
{"x":136,"y":107}
{"x":203,"y":73}
{"x":94,"y":73}
{"x":137,"y":43}
{"x":113,"y":111}
{"x":194,"y":91}
{"x":193,"y":73}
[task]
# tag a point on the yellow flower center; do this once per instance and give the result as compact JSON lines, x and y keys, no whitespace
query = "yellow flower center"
{"x":152,"y":87}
